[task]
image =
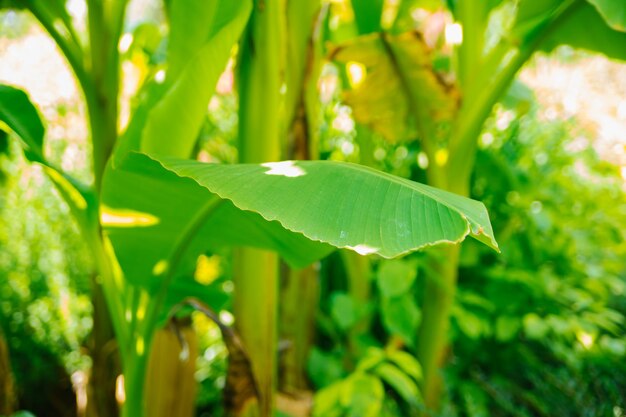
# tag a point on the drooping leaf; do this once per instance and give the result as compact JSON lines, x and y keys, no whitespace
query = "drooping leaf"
{"x":597,"y":35}
{"x":21,"y":116}
{"x":399,"y":89}
{"x":565,"y":24}
{"x":295,"y":208}
{"x":345,"y":205}
{"x":613,"y":11}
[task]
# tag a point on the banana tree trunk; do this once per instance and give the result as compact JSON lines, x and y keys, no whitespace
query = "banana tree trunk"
{"x":171,"y":369}
{"x":256,"y":271}
{"x":299,"y":301}
{"x":105,"y":366}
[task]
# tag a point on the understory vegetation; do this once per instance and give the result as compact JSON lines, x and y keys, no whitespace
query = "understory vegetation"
{"x":303,"y":208}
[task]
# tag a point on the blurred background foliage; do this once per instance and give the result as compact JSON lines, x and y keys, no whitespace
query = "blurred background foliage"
{"x":538,"y":330}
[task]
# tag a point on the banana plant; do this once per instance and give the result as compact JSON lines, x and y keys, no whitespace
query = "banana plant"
{"x":152,"y":209}
{"x":494,"y":39}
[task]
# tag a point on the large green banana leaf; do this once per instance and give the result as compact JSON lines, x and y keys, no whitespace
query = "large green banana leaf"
{"x":299,"y":209}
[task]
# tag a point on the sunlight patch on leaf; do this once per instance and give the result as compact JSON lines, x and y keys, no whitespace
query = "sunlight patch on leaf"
{"x":111,"y":217}
{"x":284,"y":168}
{"x":160,"y":267}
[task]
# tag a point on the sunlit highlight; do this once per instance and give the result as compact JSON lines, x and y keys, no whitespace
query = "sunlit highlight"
{"x":207,"y":269}
{"x":585,"y":339}
{"x":125,"y":42}
{"x":284,"y":168}
{"x":441,"y":157}
{"x":160,"y":267}
{"x":126,"y":218}
{"x":454,"y":34}
{"x":356,"y":73}
{"x":120,"y":392}
{"x":159,"y":77}
{"x":363,"y":249}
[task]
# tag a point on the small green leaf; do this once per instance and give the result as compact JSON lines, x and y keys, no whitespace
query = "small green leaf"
{"x":400,"y":382}
{"x":535,"y":327}
{"x":475,"y":400}
{"x":373,"y":356}
{"x":326,"y":402}
{"x":395,"y":277}
{"x":21,"y":116}
{"x":401,"y":317}
{"x":362,"y":395}
{"x":324,"y":368}
{"x":407,"y":362}
{"x":343,"y":310}
{"x":507,"y":327}
{"x":472,"y":325}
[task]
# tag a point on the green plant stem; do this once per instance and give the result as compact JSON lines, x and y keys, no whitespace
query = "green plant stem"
{"x":472,"y":17}
{"x":144,"y":322}
{"x":299,"y":302}
{"x":455,"y":176}
{"x":102,"y":105}
{"x":474,"y":113}
{"x":432,"y":339}
{"x":359,"y":273}
{"x":256,"y":314}
{"x":174,"y":260}
{"x":470,"y":123}
{"x":261,"y":127}
{"x":134,"y":382}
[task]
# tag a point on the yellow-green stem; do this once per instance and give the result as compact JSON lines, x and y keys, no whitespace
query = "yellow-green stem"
{"x":261,"y":129}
